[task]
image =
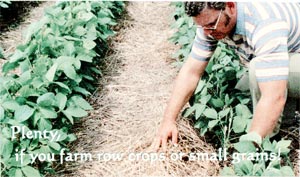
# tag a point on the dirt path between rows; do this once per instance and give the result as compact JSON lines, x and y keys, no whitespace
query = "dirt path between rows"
{"x":130,"y":105}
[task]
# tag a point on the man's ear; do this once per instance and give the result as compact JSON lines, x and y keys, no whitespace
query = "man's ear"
{"x":231,"y":6}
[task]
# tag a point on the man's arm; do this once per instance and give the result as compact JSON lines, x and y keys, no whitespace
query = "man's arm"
{"x":185,"y":85}
{"x":269,"y":107}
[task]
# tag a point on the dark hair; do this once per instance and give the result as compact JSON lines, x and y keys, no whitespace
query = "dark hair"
{"x":194,"y":8}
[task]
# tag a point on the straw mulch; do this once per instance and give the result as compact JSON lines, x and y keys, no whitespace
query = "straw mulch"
{"x":131,"y":100}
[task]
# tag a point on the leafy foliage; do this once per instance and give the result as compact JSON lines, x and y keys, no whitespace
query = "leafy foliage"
{"x":58,"y":63}
{"x":185,"y":33}
{"x":224,"y":109}
{"x":268,"y":159}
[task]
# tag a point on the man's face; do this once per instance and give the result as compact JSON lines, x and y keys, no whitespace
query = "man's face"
{"x":216,"y":23}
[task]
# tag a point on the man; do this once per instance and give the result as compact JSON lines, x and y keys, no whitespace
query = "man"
{"x":265,"y":34}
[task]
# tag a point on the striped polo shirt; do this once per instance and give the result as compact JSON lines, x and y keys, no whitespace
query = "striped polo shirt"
{"x":265,"y":32}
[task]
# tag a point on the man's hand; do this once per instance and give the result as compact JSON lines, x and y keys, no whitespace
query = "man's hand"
{"x":167,"y":129}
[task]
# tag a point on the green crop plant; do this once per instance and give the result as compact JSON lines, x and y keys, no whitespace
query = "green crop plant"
{"x":256,"y":157}
{"x":57,"y":71}
{"x":185,"y":32}
{"x":216,"y":105}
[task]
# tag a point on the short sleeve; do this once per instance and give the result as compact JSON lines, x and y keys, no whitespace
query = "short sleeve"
{"x":203,"y":47}
{"x":269,"y":42}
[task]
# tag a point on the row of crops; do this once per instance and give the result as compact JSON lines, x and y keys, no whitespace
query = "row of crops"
{"x":57,"y":69}
{"x":223,"y":112}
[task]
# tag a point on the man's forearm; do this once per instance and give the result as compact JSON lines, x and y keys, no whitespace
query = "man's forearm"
{"x":185,"y":85}
{"x":266,"y":115}
{"x":184,"y":88}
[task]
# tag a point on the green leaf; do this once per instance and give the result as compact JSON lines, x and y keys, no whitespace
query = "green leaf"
{"x":211,"y":113}
{"x":244,"y":147}
{"x":69,"y":116}
{"x":85,"y":58}
{"x":51,"y":73}
{"x":23,"y":113}
{"x":10,"y":105}
{"x":18,"y":55}
{"x":30,"y":172}
{"x":89,"y":44}
{"x":76,"y":112}
{"x":80,"y":30}
{"x":71,"y":137}
{"x":13,"y":161}
{"x":69,"y":70}
{"x":200,"y":86}
{"x":212,"y":123}
{"x":205,"y":99}
{"x":6,"y":132}
{"x":81,"y":103}
{"x":271,"y":172}
{"x":243,"y":110}
{"x":228,"y":101}
{"x":6,"y":148}
{"x":24,"y":78}
{"x":62,"y":135}
{"x":47,"y":99}
{"x":62,"y":100}
{"x":104,"y":20}
{"x":253,"y":136}
{"x":9,"y":66}
{"x":82,"y":91}
{"x":18,"y":173}
{"x":27,"y":91}
{"x":48,"y":113}
{"x":62,"y":85}
{"x":216,"y":67}
{"x":44,"y":149}
{"x":44,"y":124}
{"x":283,"y":145}
{"x":86,"y":16}
{"x":199,"y":110}
{"x":258,"y":169}
{"x":244,"y":168}
{"x":189,"y":111}
{"x":55,"y":146}
{"x":224,"y":112}
{"x":218,"y":103}
{"x":267,"y":145}
{"x":69,"y":48}
{"x":239,"y":124}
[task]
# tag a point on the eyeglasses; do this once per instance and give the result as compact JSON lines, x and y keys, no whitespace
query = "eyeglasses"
{"x":209,"y":27}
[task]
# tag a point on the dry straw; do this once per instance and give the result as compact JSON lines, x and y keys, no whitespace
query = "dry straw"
{"x":131,"y":101}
